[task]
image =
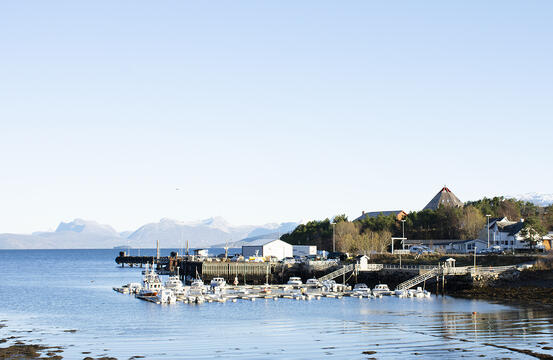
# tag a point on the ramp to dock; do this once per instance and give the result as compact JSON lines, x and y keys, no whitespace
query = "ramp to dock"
{"x":333,"y":275}
{"x":418,"y":279}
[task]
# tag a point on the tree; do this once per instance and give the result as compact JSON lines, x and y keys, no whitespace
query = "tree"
{"x":471,"y":222}
{"x":532,"y":232}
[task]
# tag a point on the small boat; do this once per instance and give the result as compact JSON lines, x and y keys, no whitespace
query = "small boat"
{"x":313,"y":282}
{"x":382,"y":289}
{"x":166,"y":296}
{"x":401,"y":293}
{"x":174,"y":284}
{"x":361,"y":289}
{"x":295,"y":281}
{"x":329,"y":285}
{"x":419,"y":293}
{"x":218,"y":282}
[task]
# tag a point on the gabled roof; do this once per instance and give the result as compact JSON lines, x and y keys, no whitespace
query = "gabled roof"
{"x":444,"y":197}
{"x":263,"y":242}
{"x":512,"y":229}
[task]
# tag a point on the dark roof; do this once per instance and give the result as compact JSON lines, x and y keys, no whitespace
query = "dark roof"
{"x":374,"y":214}
{"x":512,"y":229}
{"x":444,"y":197}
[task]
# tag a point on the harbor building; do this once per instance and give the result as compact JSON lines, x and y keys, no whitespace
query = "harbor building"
{"x":268,"y":247}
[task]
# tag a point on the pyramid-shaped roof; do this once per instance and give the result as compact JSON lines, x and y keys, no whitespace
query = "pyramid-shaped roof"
{"x":443,"y":198}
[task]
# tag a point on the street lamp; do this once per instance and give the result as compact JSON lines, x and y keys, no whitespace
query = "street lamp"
{"x":488,"y":216}
{"x":403,"y":234}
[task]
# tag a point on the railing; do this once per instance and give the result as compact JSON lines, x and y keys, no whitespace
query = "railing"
{"x":418,"y":279}
{"x":338,"y":272}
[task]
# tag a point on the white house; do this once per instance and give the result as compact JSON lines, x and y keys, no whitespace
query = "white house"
{"x":506,"y":234}
{"x":304,"y":250}
{"x":267,"y":247}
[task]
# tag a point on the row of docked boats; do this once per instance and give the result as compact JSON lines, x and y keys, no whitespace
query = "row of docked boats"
{"x":361,"y":288}
{"x":153,"y":290}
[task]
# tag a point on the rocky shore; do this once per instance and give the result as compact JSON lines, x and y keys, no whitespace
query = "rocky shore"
{"x":530,"y":287}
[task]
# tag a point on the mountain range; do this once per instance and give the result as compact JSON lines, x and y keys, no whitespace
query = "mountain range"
{"x":536,"y":199}
{"x":86,"y":234}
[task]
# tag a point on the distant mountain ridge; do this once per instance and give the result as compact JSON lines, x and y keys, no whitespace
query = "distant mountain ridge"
{"x":536,"y":198}
{"x":86,"y":234}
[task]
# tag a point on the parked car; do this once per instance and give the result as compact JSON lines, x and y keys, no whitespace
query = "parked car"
{"x":420,"y":249}
{"x":288,"y":260}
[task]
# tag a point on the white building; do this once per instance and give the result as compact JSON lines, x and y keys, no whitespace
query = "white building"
{"x":267,"y":247}
{"x":304,"y":250}
{"x":506,"y":234}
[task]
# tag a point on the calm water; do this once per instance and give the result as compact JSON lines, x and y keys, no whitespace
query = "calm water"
{"x":45,"y":292}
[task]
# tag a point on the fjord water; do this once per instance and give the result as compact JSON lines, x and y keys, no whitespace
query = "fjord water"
{"x":48,"y":293}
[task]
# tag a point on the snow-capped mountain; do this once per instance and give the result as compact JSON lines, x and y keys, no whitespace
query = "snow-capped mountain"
{"x":536,"y":198}
{"x":79,"y":234}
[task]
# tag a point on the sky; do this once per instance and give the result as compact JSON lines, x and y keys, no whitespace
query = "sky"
{"x":267,"y":111}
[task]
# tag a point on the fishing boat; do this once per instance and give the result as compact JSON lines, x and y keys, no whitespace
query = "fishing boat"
{"x":151,"y":284}
{"x":175,"y":284}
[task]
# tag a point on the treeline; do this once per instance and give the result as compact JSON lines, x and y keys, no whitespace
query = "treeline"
{"x":375,"y":233}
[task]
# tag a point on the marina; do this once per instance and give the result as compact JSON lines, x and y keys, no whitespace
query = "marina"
{"x":218,"y":290}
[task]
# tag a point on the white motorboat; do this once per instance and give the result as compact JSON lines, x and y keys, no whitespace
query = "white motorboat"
{"x":175,"y":284}
{"x":197,"y":287}
{"x":329,"y":285}
{"x":218,"y":282}
{"x":313,"y":282}
{"x":295,"y":281}
{"x":419,"y":293}
{"x":131,"y":288}
{"x":151,"y":284}
{"x":382,"y":289}
{"x":166,"y":296}
{"x":361,"y":289}
{"x":401,"y":293}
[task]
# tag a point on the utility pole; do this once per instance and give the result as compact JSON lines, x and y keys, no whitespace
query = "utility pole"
{"x":403,"y":234}
{"x":488,"y":216}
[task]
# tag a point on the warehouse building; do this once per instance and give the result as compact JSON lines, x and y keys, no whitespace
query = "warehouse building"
{"x":268,"y":247}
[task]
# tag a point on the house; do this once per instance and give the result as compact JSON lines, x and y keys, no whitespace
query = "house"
{"x":444,"y":197}
{"x":455,"y":246}
{"x":362,"y":262}
{"x":398,"y":214}
{"x":507,"y":235}
{"x":304,"y":250}
{"x":268,"y":247}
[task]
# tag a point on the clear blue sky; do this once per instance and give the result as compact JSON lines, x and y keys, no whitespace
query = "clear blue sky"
{"x":267,"y":111}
